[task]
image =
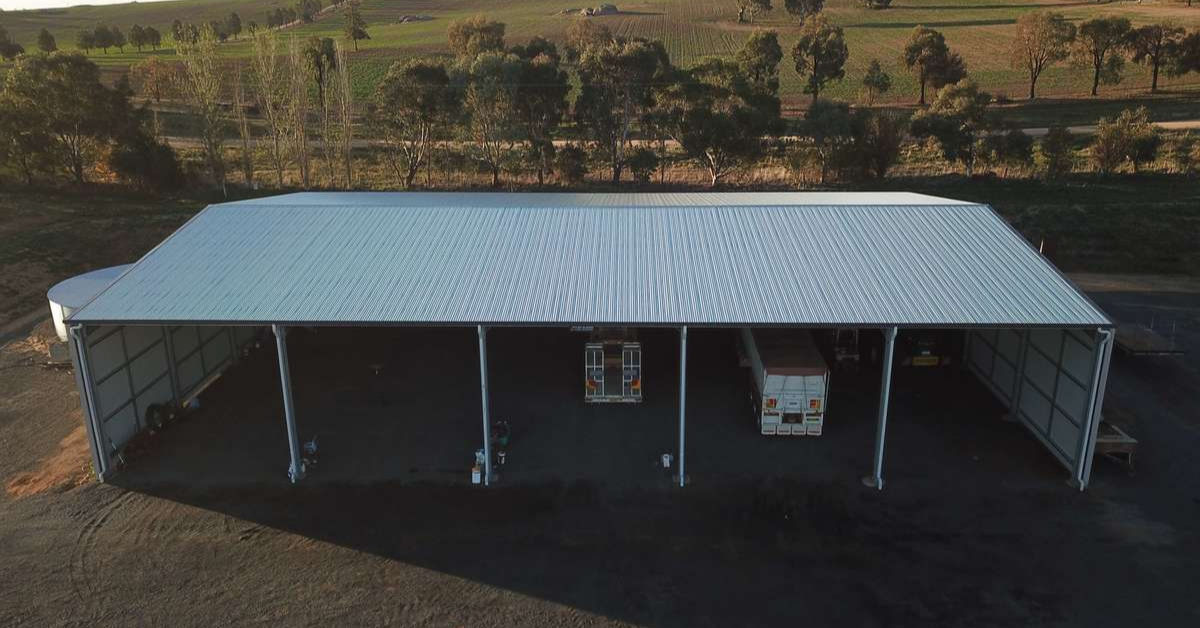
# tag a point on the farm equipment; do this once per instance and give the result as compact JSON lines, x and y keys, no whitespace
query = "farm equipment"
{"x":928,"y":348}
{"x":789,"y":381}
{"x":612,"y":366}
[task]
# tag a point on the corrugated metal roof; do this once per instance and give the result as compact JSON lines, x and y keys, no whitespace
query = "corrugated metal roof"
{"x":869,"y":259}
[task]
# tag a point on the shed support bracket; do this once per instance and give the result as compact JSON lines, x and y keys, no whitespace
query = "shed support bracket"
{"x":683,"y":334}
{"x":889,"y":347}
{"x":296,"y":469}
{"x":483,"y":392}
{"x":1087,"y":437}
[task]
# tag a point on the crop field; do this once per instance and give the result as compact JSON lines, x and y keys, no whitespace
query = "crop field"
{"x":691,"y":29}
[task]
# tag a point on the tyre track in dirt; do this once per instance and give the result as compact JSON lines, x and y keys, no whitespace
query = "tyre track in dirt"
{"x":85,"y":544}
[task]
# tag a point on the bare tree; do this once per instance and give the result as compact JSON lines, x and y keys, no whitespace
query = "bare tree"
{"x":1042,"y":39}
{"x":345,"y":110}
{"x":270,"y":85}
{"x":201,"y":85}
{"x":240,"y":103}
{"x":298,"y":105}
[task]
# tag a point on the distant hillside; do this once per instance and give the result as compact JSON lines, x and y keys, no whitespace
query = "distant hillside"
{"x":64,"y":23}
{"x":981,"y":30}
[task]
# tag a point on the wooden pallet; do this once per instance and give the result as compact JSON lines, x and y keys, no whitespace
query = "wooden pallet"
{"x":1139,"y":340}
{"x":1112,"y":442}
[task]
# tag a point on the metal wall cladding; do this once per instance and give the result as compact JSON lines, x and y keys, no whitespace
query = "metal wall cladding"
{"x":695,"y":259}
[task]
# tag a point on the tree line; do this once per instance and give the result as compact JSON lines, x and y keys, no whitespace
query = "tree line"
{"x":539,"y":107}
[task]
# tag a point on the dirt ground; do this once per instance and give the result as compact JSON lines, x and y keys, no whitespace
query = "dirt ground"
{"x":977,"y":526}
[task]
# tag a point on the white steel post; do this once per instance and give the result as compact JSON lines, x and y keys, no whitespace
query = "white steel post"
{"x":1087,"y":445}
{"x":483,"y":390}
{"x":93,"y":423}
{"x":296,"y":470}
{"x":885,"y":393}
{"x":683,"y":333}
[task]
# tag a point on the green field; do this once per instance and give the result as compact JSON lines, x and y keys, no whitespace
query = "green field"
{"x":692,"y":30}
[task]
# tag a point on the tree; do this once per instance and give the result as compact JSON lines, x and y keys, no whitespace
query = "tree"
{"x":474,"y":35}
{"x":1129,"y":137}
{"x":958,"y":118}
{"x":721,"y":120}
{"x":137,"y":155}
{"x":233,"y":25}
{"x":320,"y":54}
{"x":201,"y":86}
{"x":571,"y":163}
{"x":271,"y":86}
{"x":137,"y":36}
{"x":803,"y":9}
{"x":118,"y":39}
{"x":46,"y":42}
{"x":928,"y":56}
{"x":178,"y":31}
{"x":153,"y":38}
{"x":489,"y":101}
{"x":1011,"y":149}
{"x":81,"y":119}
{"x":1041,"y":40}
{"x":154,"y":77}
{"x":820,"y":54}
{"x":85,"y":40}
{"x":103,"y":37}
{"x":343,"y":98}
{"x":9,"y":49}
{"x":24,"y":137}
{"x":827,"y":129}
{"x":759,"y":59}
{"x":240,"y":104}
{"x":616,"y":89}
{"x":1187,"y":56}
{"x":413,"y":108}
{"x":1054,"y":155}
{"x":877,"y":4}
{"x":297,"y":106}
{"x":1098,"y":44}
{"x":643,"y":162}
{"x":540,"y":105}
{"x":1156,"y":45}
{"x":876,"y":82}
{"x":876,"y":138}
{"x":537,"y":46}
{"x":751,"y":8}
{"x":583,"y":34}
{"x":355,"y":27}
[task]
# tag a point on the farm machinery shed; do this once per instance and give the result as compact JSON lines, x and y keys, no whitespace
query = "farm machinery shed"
{"x":178,"y":317}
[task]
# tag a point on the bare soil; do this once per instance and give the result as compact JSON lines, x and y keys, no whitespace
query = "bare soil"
{"x":975,"y":528}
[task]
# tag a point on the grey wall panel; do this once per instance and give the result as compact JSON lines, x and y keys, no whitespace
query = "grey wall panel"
{"x":1064,"y":434}
{"x":191,"y":372}
{"x":112,"y":393}
{"x":216,"y":352}
{"x":121,"y":427}
{"x":185,"y":341}
{"x":1072,"y":398}
{"x":151,"y":365}
{"x":105,"y":351}
{"x":138,"y":338}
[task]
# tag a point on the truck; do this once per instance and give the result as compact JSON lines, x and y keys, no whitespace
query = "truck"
{"x":612,"y":366}
{"x":789,"y":381}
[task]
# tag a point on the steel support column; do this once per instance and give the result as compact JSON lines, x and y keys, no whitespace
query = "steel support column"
{"x":885,"y":393}
{"x":93,"y":425}
{"x":296,"y":470}
{"x":683,"y":334}
{"x":483,"y":391}
{"x":1087,"y":437}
